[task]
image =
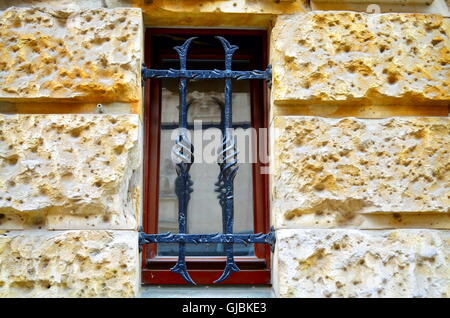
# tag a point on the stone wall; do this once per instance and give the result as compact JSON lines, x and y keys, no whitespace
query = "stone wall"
{"x":336,"y":172}
{"x":70,"y":151}
{"x":359,"y":138}
{"x":91,"y":263}
{"x":361,"y":205}
{"x":69,"y":171}
{"x":78,"y":55}
{"x":388,"y":58}
{"x":354,"y":263}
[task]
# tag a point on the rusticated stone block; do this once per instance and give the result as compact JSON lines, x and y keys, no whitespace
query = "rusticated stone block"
{"x":69,"y":264}
{"x":355,"y":263}
{"x":329,"y":172}
{"x":91,"y":55}
{"x":69,"y":171}
{"x":383,"y":59}
{"x":333,"y":110}
{"x":243,"y":13}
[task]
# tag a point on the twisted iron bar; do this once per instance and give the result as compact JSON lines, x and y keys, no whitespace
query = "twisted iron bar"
{"x":184,"y":151}
{"x":228,"y":165}
{"x":227,"y":160}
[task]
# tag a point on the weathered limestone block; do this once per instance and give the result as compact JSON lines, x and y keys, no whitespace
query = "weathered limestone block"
{"x":378,"y":1}
{"x":92,"y":55}
{"x":218,"y":12}
{"x":69,"y":264}
{"x":392,"y":58}
{"x":381,"y":6}
{"x":328,"y":172}
{"x":71,"y":4}
{"x":68,"y":107}
{"x":334,"y":110}
{"x":355,"y":263}
{"x":69,"y":171}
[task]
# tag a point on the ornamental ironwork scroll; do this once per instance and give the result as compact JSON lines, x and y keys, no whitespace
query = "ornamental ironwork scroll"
{"x":184,"y":152}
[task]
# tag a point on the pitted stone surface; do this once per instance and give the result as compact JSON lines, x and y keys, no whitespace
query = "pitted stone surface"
{"x":355,"y":263}
{"x":243,"y":13}
{"x":69,"y":171}
{"x":327,"y":172}
{"x":91,"y":55}
{"x":69,"y":264}
{"x":348,"y":56}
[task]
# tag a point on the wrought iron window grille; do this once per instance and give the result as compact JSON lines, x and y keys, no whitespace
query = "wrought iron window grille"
{"x":227,"y":161}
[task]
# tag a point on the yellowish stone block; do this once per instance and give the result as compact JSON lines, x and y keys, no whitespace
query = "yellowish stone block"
{"x":69,"y":171}
{"x":384,"y":59}
{"x":333,"y":172}
{"x":69,"y":264}
{"x":236,"y":13}
{"x":88,"y":55}
{"x":355,"y":263}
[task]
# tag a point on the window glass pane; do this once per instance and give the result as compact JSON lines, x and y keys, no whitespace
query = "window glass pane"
{"x":204,"y":212}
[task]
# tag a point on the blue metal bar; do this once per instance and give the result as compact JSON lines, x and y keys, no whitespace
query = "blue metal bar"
{"x":207,"y":74}
{"x":167,"y":126}
{"x":228,"y":164}
{"x":185,"y":152}
{"x":208,"y":238}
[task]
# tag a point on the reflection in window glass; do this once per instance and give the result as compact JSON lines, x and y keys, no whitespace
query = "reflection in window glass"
{"x":204,"y":212}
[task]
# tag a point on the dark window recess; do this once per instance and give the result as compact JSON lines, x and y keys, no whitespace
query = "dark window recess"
{"x":204,"y":215}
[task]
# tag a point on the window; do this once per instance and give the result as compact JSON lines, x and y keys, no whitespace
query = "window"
{"x":205,"y":262}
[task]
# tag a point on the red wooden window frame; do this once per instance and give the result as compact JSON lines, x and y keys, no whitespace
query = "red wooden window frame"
{"x":203,"y":270}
